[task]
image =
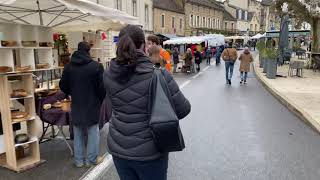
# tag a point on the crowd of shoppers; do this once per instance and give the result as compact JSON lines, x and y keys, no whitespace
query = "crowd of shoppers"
{"x":127,"y":85}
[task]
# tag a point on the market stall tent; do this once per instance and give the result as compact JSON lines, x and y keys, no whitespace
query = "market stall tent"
{"x":257,"y":36}
{"x":212,"y":40}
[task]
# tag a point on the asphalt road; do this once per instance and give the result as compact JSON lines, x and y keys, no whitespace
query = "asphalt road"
{"x":240,"y":133}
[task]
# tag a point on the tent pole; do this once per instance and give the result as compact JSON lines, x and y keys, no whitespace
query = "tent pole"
{"x":40,"y":13}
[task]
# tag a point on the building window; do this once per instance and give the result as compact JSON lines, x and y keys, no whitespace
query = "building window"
{"x":256,"y":27}
{"x":134,"y":8}
{"x":118,"y":4}
{"x":232,"y":26}
{"x":191,"y":20}
{"x":146,"y":10}
{"x":239,"y":14}
{"x":162,"y":20}
{"x":225,"y":25}
{"x":209,"y":22}
{"x":251,"y":27}
{"x":218,"y":24}
{"x":203,"y":22}
{"x":214,"y":23}
{"x":181,"y":23}
{"x":198,"y":21}
{"x":172,"y":22}
{"x":246,"y":15}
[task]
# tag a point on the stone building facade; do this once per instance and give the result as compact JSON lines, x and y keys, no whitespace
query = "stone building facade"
{"x":168,"y":17}
{"x":203,"y":16}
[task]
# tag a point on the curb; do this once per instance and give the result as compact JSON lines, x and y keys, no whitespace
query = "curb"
{"x":293,"y":107}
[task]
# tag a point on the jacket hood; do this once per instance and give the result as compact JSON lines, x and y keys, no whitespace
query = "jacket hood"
{"x":80,"y":58}
{"x":123,"y":72}
{"x":246,"y":52}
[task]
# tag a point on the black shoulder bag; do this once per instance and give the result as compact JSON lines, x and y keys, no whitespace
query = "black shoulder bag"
{"x":163,"y":122}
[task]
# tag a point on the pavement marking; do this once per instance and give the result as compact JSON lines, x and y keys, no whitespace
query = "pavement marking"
{"x":206,"y":68}
{"x":97,"y":171}
{"x":197,"y":75}
{"x":184,"y":84}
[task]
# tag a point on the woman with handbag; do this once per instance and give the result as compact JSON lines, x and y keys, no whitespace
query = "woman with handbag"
{"x":128,"y":82}
{"x":229,"y":55}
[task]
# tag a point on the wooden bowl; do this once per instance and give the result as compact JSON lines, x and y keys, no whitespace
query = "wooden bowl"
{"x":18,"y":93}
{"x":8,"y":43}
{"x":29,"y":43}
{"x":23,"y":69}
{"x":21,"y":138}
{"x":45,"y":44}
{"x":18,"y":115}
{"x":42,"y":66}
{"x":5,"y":69}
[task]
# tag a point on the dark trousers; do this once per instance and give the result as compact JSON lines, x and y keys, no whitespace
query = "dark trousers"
{"x":140,"y":170}
{"x":208,"y":60}
{"x":198,"y":67}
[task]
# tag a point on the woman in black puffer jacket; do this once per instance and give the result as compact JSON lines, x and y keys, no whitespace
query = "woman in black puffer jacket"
{"x":127,"y":84}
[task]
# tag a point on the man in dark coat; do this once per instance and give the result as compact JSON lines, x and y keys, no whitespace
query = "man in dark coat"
{"x":82,"y":79}
{"x":175,"y":56}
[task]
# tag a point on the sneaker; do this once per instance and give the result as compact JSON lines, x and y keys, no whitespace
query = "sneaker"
{"x":241,"y":82}
{"x":98,"y":161}
{"x":230,"y":81}
{"x":78,"y":165}
{"x":245,"y":82}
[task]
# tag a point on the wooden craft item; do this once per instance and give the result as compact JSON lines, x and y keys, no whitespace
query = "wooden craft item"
{"x":8,"y":43}
{"x":18,"y":115}
{"x":45,"y":44}
{"x":5,"y":69}
{"x":21,"y":138}
{"x":42,"y":66}
{"x":29,"y":43}
{"x":24,"y":68}
{"x":18,"y":93}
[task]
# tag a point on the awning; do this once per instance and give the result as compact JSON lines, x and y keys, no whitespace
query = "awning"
{"x":235,"y":37}
{"x":53,"y":13}
{"x":212,"y":39}
{"x":257,"y":36}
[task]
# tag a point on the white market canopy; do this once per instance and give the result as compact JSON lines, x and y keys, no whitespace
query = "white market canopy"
{"x":53,"y":13}
{"x":257,"y":36}
{"x":211,"y":39}
{"x":235,"y":37}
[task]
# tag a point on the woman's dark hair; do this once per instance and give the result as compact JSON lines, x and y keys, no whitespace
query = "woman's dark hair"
{"x":131,"y":38}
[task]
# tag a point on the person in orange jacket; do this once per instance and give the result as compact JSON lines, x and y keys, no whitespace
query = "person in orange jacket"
{"x":153,"y":40}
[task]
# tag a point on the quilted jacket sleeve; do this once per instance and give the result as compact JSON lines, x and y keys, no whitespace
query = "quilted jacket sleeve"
{"x":182,"y":105}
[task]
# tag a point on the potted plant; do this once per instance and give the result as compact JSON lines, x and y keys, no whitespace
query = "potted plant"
{"x":271,"y":58}
{"x":261,"y":46}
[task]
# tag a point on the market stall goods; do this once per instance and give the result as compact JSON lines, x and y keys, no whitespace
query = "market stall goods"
{"x":18,"y":93}
{"x":18,"y":115}
{"x":43,"y":66}
{"x":8,"y":43}
{"x":66,"y":105}
{"x":24,"y":68}
{"x":5,"y":69}
{"x":29,"y":43}
{"x":45,"y":44}
{"x":21,"y":138}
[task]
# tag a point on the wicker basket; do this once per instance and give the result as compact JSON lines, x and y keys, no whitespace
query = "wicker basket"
{"x":45,"y":44}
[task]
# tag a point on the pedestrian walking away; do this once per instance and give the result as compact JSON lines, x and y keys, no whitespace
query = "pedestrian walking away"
{"x":175,"y":56}
{"x":208,"y":56}
{"x":218,"y":54}
{"x":245,"y":60}
{"x":130,"y":140}
{"x":198,"y":59}
{"x":230,"y":56}
{"x":82,"y":79}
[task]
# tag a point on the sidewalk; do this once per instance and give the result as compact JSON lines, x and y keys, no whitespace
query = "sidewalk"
{"x":300,"y":95}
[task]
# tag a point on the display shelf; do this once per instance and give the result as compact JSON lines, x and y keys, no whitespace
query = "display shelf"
{"x":31,"y":118}
{"x":31,"y":140}
{"x":27,"y":97}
